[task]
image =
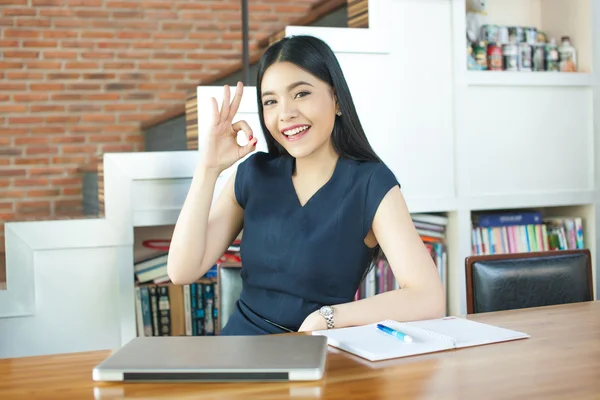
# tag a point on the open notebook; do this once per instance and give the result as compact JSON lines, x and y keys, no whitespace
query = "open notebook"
{"x":428,"y":336}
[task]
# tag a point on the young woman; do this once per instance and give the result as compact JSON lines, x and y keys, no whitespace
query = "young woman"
{"x":315,"y":209}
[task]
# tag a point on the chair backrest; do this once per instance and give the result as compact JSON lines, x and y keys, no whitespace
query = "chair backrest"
{"x":229,"y":286}
{"x":521,"y":280}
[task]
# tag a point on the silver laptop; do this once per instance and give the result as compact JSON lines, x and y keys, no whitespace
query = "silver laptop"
{"x":216,"y":358}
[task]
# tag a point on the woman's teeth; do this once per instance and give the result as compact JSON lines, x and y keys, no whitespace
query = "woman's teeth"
{"x":293,"y":132}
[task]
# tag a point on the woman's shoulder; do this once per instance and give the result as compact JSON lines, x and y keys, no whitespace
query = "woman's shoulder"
{"x":368,"y":171}
{"x":261,"y":162}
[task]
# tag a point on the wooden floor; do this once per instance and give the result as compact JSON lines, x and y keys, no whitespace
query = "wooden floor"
{"x":2,"y":271}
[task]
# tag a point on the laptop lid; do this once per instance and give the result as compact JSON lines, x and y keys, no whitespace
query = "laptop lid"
{"x":216,"y":358}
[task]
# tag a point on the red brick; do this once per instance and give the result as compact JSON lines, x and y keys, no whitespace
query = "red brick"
{"x":121,"y":107}
{"x":15,"y":12}
{"x":59,"y":34}
{"x":61,"y":55}
{"x":18,"y":33}
{"x":43,"y":192}
{"x":40,"y":43}
{"x":48,"y":130}
{"x":97,"y":55}
{"x":12,"y":172}
{"x":13,"y":2}
{"x":103,"y":96}
{"x":98,"y":118}
{"x":84,"y":3}
{"x":68,"y":160}
{"x":79,"y":149}
{"x":31,"y":182}
{"x":9,"y":43}
{"x":39,"y":23}
{"x":46,"y":86}
{"x":122,"y":4}
{"x":69,"y":139}
{"x":83,"y":86}
{"x":65,"y":181}
{"x":12,"y":86}
{"x":10,"y":65}
{"x":25,"y":120}
{"x":31,"y":140}
{"x":13,"y":194}
{"x":30,"y":97}
{"x":104,"y":138}
{"x":81,"y":65}
{"x":117,"y":148}
{"x":118,"y":65}
{"x":43,"y":64}
{"x":31,"y":207}
{"x":47,"y":108}
{"x":12,"y":109}
{"x":63,"y":76}
{"x":41,"y":150}
{"x":91,"y":14}
{"x":32,"y":161}
{"x":62,"y":119}
{"x":71,"y":191}
{"x":45,"y":171}
{"x":37,"y":3}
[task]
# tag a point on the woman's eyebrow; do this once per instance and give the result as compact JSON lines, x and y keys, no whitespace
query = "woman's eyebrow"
{"x":290,"y":87}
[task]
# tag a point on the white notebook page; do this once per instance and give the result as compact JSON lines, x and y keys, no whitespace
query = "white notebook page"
{"x":372,"y":344}
{"x":468,"y":333}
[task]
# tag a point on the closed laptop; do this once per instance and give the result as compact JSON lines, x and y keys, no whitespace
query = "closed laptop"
{"x":216,"y":358}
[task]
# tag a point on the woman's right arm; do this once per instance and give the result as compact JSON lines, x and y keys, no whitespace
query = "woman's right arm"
{"x":202,"y":234}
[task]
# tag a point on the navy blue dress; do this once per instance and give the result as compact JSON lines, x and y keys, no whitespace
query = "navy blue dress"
{"x":297,"y":258}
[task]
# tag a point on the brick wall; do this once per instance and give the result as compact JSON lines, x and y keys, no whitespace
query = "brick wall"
{"x":78,"y":76}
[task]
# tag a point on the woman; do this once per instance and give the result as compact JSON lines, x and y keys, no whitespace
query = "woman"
{"x":315,"y":209}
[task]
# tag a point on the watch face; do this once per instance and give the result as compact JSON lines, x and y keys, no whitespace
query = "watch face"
{"x":326,"y":311}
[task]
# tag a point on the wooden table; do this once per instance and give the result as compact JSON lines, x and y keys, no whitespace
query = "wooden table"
{"x":561,"y":360}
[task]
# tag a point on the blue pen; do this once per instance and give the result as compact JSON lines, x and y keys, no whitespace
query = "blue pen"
{"x":402,"y":336}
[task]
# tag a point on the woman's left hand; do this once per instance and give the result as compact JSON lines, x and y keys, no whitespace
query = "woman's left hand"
{"x":313,"y":322}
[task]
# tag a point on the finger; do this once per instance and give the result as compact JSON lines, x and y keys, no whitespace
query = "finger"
{"x":243,"y":126}
{"x":225,"y":105}
{"x":237,"y":99}
{"x":243,"y":151}
{"x":215,"y":111}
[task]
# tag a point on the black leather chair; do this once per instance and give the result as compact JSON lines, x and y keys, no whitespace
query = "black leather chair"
{"x":521,"y":280}
{"x":229,"y":286}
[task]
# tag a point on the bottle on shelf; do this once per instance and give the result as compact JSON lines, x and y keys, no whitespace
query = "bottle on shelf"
{"x":567,"y":55}
{"x":552,"y":56}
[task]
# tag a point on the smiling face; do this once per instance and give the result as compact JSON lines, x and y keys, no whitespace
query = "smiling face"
{"x":299,"y":109}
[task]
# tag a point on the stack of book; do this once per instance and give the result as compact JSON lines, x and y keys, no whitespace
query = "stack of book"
{"x":166,"y":309}
{"x":525,"y":231}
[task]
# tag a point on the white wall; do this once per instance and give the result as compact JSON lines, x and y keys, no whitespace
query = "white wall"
{"x":76,"y":304}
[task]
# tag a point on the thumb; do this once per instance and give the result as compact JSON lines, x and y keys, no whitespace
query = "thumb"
{"x":248,"y":148}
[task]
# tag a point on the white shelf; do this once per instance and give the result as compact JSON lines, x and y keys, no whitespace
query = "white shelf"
{"x":506,"y":78}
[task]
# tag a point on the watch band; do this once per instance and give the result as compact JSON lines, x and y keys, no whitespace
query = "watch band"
{"x":329,"y":320}
{"x":327,"y":313}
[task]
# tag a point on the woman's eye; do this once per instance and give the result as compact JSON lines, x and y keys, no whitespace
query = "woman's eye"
{"x":302,"y":94}
{"x":268,"y":102}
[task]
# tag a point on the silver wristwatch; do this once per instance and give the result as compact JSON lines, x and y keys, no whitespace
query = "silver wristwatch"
{"x":327,"y":313}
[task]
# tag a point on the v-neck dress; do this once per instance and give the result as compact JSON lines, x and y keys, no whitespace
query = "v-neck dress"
{"x":297,"y":258}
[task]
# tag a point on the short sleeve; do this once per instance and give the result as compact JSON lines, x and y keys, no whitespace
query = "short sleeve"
{"x":381,"y":180}
{"x":240,"y":187}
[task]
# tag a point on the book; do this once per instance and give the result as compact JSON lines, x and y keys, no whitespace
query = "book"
{"x":428,"y":336}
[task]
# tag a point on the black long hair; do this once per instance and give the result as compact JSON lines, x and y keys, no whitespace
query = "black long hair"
{"x":316,"y":57}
